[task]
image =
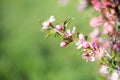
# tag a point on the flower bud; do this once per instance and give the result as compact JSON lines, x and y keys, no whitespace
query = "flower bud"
{"x":63,"y":44}
{"x":58,"y":27}
{"x":107,"y":3}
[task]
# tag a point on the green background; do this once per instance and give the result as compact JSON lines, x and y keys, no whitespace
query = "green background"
{"x":24,"y":52}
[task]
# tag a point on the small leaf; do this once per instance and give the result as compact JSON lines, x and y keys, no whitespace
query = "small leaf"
{"x":58,"y":35}
{"x":105,"y":60}
{"x":113,"y":63}
{"x":49,"y":34}
{"x":67,"y":22}
{"x":113,"y":54}
{"x":110,"y":70}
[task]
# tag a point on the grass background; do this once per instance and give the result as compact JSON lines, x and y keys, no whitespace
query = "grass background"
{"x":26,"y":55}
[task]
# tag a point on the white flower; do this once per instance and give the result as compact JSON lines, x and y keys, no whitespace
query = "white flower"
{"x":45,"y":24}
{"x":51,"y":19}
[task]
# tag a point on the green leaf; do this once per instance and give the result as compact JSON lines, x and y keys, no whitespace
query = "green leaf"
{"x":105,"y":60}
{"x":58,"y":35}
{"x":118,"y":27}
{"x":113,"y":63}
{"x":67,"y":22}
{"x":110,"y":70}
{"x":113,"y":54}
{"x":49,"y":34}
{"x":117,"y":57}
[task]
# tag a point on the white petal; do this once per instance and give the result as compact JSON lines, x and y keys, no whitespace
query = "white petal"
{"x":81,"y":36}
{"x":52,"y":19}
{"x":73,"y":31}
{"x":45,"y":25}
{"x":92,"y":59}
{"x":79,"y":46}
{"x":115,"y":76}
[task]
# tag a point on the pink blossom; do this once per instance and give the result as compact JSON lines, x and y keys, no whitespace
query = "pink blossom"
{"x":63,"y":2}
{"x":104,"y":43}
{"x":107,"y":3}
{"x":94,"y":46}
{"x":63,"y":44}
{"x":79,"y":43}
{"x":81,"y":37}
{"x":82,"y":5}
{"x":58,"y":27}
{"x":99,"y":54}
{"x":45,"y":24}
{"x":97,"y":5}
{"x":115,"y":76}
{"x":108,"y":28}
{"x":95,"y":34}
{"x":88,"y":57}
{"x":96,"y":21}
{"x":103,"y":70}
{"x":69,"y":33}
{"x":116,"y":46}
{"x":85,"y":44}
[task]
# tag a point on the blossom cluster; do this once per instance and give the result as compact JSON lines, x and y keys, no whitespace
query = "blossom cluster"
{"x":97,"y":48}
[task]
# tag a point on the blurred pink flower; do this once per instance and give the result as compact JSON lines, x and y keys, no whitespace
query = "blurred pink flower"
{"x":82,"y":5}
{"x":107,"y":3}
{"x":97,"y":5}
{"x":88,"y":57}
{"x":63,"y":2}
{"x":96,"y":21}
{"x":108,"y":27}
{"x":115,"y":76}
{"x":85,"y":44}
{"x":69,"y":33}
{"x":99,"y":54}
{"x":94,"y":34}
{"x":116,"y":46}
{"x":103,"y":70}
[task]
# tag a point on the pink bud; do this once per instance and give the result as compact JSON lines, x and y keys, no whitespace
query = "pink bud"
{"x":116,"y":46}
{"x":63,"y":44}
{"x":107,"y":3}
{"x":58,"y":27}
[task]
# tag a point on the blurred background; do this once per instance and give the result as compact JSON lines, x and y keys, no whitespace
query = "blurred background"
{"x":24,"y":52}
